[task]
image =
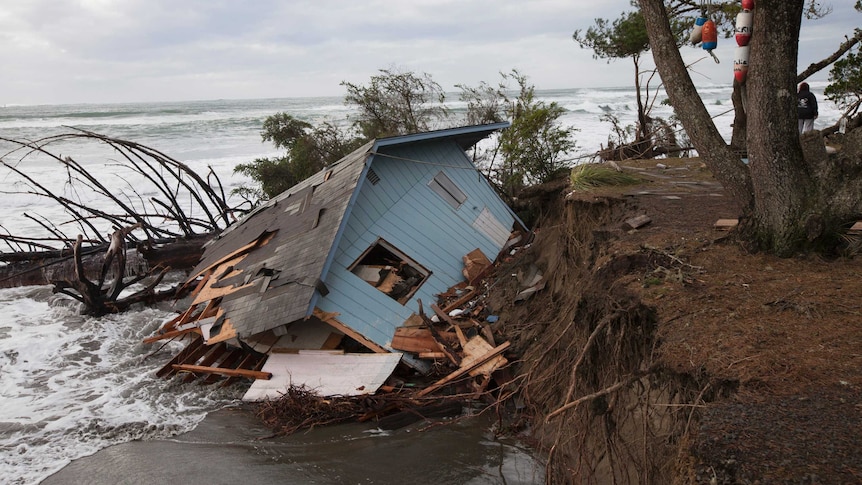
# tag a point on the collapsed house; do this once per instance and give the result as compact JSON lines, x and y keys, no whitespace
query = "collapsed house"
{"x":312,"y":287}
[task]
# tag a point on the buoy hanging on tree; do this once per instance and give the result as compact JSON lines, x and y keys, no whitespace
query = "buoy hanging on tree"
{"x":740,"y":63}
{"x":710,"y":38}
{"x":748,"y":4}
{"x":743,"y":27}
{"x":696,"y":32}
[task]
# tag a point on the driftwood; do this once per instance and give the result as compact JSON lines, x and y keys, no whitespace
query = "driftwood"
{"x":147,"y":236}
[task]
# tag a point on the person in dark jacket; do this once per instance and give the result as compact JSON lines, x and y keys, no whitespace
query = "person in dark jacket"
{"x":806,"y":108}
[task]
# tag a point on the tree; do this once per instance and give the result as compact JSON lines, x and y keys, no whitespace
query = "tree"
{"x":309,"y":150}
{"x":791,"y":202}
{"x":845,"y":78}
{"x":531,"y":150}
{"x":397,"y":103}
{"x":627,"y":37}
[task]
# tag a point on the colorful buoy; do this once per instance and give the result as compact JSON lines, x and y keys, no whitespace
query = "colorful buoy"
{"x":695,"y":35}
{"x":740,"y":63}
{"x":743,"y":27}
{"x":748,"y":4}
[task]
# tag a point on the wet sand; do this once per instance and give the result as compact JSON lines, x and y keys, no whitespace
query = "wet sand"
{"x":230,"y":446}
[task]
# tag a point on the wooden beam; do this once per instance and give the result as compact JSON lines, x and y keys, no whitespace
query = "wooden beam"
{"x":329,"y":319}
{"x":725,"y":224}
{"x":636,"y":222}
{"x":463,"y":370}
{"x":171,"y":334}
{"x":253,"y":374}
{"x":460,"y":301}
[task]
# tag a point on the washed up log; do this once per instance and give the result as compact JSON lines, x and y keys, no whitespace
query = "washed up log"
{"x":856,"y":228}
{"x":44,"y":267}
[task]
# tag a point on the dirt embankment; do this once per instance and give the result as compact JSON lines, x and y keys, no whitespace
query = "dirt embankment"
{"x":667,"y":354}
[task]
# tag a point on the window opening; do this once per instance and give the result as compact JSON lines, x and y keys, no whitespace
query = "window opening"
{"x":443,"y":186}
{"x":390,"y":271}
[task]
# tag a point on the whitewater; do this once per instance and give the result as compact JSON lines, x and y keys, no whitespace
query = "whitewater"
{"x":72,"y":385}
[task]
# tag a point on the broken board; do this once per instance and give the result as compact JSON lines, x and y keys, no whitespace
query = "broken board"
{"x":324,"y":372}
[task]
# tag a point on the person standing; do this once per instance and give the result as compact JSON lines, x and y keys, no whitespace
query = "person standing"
{"x":806,"y":108}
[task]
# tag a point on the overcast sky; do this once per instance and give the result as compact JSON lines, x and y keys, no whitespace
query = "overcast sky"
{"x":105,"y":51}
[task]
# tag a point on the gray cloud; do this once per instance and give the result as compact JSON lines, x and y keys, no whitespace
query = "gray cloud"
{"x":147,"y":50}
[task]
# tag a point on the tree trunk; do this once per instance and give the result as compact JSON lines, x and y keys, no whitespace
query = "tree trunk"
{"x":724,"y":163}
{"x":739,"y":138}
{"x":43,"y":268}
{"x":783,"y":192}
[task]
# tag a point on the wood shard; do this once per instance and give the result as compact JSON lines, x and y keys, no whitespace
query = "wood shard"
{"x":464,"y":370}
{"x":224,"y":372}
{"x":636,"y":222}
{"x":725,"y":224}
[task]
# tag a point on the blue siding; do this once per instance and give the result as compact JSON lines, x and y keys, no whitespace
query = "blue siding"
{"x":404,"y":211}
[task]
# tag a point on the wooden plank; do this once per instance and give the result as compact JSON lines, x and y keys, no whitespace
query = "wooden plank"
{"x":329,"y":319}
{"x":475,"y":349}
{"x":195,"y":349}
{"x":170,"y":334}
{"x":856,"y":228}
{"x":249,"y":362}
{"x":216,"y":351}
{"x":230,"y":362}
{"x":414,"y":340}
{"x":460,"y":301}
{"x":463,"y":370}
{"x":725,"y":224}
{"x":227,"y":332}
{"x":251,"y":374}
{"x":636,"y":222}
{"x":432,"y":355}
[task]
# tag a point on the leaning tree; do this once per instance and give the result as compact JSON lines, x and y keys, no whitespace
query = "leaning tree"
{"x":795,"y":196}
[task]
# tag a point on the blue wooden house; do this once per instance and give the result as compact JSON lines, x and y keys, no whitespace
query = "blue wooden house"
{"x":351,"y":250}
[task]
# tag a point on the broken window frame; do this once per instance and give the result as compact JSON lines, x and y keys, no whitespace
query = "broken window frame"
{"x":448,"y":190}
{"x":411,"y":266}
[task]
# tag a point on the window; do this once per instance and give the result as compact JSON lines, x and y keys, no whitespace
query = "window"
{"x":390,"y":271}
{"x":443,"y":186}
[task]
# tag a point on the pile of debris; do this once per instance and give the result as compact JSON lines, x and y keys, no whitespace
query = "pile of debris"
{"x":458,"y":340}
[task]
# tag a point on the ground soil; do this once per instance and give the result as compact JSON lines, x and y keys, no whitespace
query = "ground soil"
{"x":786,"y":332}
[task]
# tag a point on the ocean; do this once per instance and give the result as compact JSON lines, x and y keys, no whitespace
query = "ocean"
{"x":72,"y":385}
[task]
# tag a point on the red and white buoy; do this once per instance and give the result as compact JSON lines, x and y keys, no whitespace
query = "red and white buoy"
{"x":743,"y":27}
{"x":740,"y":63}
{"x":748,"y":4}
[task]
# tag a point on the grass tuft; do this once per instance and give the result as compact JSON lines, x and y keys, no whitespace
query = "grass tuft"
{"x":589,"y":176}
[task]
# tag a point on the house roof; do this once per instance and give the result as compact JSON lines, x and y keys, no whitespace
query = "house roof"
{"x":267,"y":266}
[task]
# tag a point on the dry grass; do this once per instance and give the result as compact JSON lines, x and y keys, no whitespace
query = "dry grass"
{"x":591,"y":175}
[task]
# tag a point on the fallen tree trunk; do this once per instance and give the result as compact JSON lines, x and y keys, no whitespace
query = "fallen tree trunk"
{"x":45,"y":267}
